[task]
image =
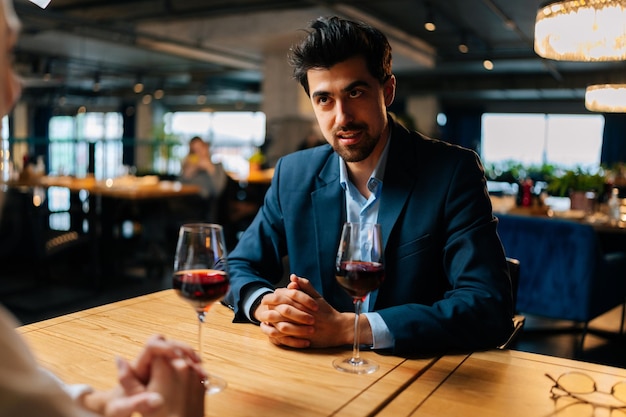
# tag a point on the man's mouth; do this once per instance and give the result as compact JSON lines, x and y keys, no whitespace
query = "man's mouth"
{"x":349,"y":136}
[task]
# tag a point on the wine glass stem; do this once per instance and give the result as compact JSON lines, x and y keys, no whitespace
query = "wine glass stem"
{"x":201,"y":315}
{"x":356,"y":356}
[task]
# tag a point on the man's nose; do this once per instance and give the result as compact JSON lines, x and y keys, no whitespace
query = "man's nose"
{"x":344,"y":112}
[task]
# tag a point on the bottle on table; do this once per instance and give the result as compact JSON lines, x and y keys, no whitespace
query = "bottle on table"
{"x":614,"y":204}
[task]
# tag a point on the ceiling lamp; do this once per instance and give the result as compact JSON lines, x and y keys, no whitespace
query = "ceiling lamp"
{"x":159,"y":93}
{"x":463,"y":46}
{"x":138,"y":87}
{"x":582,"y":30}
{"x":429,"y":22}
{"x":606,"y":98}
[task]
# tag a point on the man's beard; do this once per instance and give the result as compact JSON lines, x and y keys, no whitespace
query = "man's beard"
{"x":360,"y":151}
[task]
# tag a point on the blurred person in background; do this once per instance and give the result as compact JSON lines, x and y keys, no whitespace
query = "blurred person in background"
{"x":198,"y":169}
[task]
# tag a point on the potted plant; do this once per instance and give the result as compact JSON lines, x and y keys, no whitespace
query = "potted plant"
{"x":576,"y":180}
{"x":575,"y":184}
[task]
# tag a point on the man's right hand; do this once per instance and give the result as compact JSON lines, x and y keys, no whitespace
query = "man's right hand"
{"x":286,"y":317}
{"x":297,"y":316}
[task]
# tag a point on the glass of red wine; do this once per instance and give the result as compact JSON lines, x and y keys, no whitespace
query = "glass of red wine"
{"x":200,"y":276}
{"x":359,"y":269}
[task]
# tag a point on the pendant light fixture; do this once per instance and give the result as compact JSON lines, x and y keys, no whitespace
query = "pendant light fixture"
{"x":582,"y":30}
{"x":606,"y":98}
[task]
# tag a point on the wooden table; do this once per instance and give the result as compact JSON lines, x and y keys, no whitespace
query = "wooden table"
{"x":263,"y":379}
{"x":122,"y":188}
{"x":266,"y":380}
{"x":500,"y":383}
{"x":99,"y":216}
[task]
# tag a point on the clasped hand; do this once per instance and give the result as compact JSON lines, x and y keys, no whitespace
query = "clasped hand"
{"x":298,"y":316}
{"x":164,"y":380}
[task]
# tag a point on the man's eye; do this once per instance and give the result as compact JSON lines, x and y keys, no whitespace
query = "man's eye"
{"x":355,"y":93}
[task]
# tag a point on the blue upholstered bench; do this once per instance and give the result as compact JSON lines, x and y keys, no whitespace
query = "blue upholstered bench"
{"x":564,"y":274}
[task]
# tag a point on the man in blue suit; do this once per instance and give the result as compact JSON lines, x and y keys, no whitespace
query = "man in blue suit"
{"x":446,"y":279}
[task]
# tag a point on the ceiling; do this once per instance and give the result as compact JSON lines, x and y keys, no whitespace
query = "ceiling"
{"x":205,"y":53}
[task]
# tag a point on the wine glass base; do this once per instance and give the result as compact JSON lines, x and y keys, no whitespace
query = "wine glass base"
{"x":214,"y":384}
{"x":360,"y":366}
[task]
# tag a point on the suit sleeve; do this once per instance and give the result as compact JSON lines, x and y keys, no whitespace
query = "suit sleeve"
{"x":255,"y":262}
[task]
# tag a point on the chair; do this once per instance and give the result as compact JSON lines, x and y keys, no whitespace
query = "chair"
{"x":55,"y":252}
{"x":518,"y":319}
{"x":566,"y":275}
{"x":51,"y":265}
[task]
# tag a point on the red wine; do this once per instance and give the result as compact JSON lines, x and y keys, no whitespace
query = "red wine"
{"x":360,"y":278}
{"x":201,"y":287}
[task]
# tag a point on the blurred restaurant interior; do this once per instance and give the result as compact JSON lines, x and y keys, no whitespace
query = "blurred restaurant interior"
{"x":114,"y":90}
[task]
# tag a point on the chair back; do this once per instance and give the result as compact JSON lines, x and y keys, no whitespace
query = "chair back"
{"x":514,"y":269}
{"x":518,"y":319}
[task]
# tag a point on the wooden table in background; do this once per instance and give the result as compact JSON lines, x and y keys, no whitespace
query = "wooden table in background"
{"x":143,"y":202}
{"x":263,"y":379}
{"x":260,"y":176}
{"x":130,"y":188}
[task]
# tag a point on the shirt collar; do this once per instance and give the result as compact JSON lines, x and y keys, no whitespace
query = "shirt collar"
{"x":378,"y":173}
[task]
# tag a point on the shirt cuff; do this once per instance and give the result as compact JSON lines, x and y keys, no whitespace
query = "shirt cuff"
{"x":250,"y":300}
{"x":381,"y":335}
{"x":76,"y":391}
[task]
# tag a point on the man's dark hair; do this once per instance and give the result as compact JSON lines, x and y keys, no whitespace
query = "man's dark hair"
{"x":332,"y":40}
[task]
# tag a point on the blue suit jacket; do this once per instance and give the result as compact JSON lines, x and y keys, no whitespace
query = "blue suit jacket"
{"x":446,"y":283}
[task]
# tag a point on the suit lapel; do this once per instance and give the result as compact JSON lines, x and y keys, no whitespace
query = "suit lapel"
{"x":328,"y":199}
{"x":398,"y":183}
{"x":329,"y":215}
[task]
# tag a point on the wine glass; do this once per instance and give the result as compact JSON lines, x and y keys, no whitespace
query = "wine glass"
{"x":201,"y":276}
{"x":359,"y":269}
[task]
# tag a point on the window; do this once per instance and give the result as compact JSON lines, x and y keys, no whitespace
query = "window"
{"x":234,"y":136}
{"x":69,"y":144}
{"x":64,"y":150}
{"x":59,"y":206}
{"x":70,"y":138}
{"x":565,"y":141}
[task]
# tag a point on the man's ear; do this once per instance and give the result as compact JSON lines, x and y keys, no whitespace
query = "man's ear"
{"x":389,"y":90}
